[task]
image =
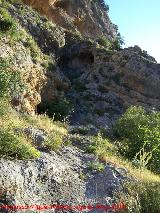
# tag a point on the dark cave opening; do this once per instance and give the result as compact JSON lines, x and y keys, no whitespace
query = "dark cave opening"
{"x":59,"y":109}
{"x":62,"y":4}
{"x":86,"y":57}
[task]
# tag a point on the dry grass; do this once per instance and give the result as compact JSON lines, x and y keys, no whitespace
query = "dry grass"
{"x":140,"y":174}
{"x":10,"y":120}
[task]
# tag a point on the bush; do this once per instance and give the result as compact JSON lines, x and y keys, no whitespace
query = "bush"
{"x":100,"y":146}
{"x":72,"y":38}
{"x":103,"y":41}
{"x":10,"y":81}
{"x":54,"y":141}
{"x":34,"y":49}
{"x":141,"y":197}
{"x":15,"y":146}
{"x":96,"y":166}
{"x":139,"y":134}
{"x":60,"y":109}
{"x":4,"y":107}
{"x":119,"y":41}
{"x":7,"y":24}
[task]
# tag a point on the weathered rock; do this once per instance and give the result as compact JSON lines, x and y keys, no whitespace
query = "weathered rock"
{"x":88,"y":17}
{"x":41,"y":75}
{"x":47,"y":35}
{"x":38,"y":136}
{"x":105,"y":83}
{"x":32,"y":75}
{"x":51,"y":40}
{"x":56,"y":178}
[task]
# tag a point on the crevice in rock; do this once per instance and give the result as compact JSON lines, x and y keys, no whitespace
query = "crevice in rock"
{"x":61,"y":4}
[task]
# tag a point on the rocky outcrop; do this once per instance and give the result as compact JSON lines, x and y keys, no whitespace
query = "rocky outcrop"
{"x":32,"y":75}
{"x":34,"y":57}
{"x":105,"y":83}
{"x":62,"y":178}
{"x":88,"y":17}
{"x":47,"y":35}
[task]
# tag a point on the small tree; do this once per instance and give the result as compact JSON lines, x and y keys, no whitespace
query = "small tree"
{"x":117,"y":44}
{"x":105,"y":42}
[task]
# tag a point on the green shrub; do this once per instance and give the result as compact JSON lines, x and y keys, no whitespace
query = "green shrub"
{"x":96,"y":166}
{"x":60,"y":109}
{"x":15,"y":146}
{"x":118,"y":42}
{"x":54,"y":141}
{"x":72,"y":37}
{"x":10,"y":81}
{"x":4,"y":107}
{"x":139,"y":134}
{"x":34,"y":49}
{"x":8,"y":25}
{"x":100,"y":146}
{"x":141,"y":197}
{"x":105,"y":42}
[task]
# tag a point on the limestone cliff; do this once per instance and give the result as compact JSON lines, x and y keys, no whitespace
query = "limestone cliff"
{"x":60,"y":59}
{"x":105,"y":83}
{"x":88,"y":17}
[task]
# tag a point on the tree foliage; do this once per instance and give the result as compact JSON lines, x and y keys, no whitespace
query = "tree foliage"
{"x":139,"y":134}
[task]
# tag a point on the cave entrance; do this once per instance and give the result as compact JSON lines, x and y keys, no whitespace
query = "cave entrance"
{"x":59,"y":109}
{"x":62,"y":4}
{"x":86,"y":58}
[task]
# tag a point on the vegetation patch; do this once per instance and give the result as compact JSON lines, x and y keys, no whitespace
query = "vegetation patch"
{"x":10,"y":81}
{"x":8,"y":26}
{"x":59,"y":110}
{"x":15,"y":146}
{"x":105,"y":42}
{"x":139,"y":136}
{"x":141,"y":192}
{"x":57,"y":132}
{"x":141,"y":196}
{"x":97,"y":166}
{"x":100,"y":146}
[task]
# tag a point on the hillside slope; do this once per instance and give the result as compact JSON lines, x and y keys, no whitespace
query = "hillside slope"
{"x":64,"y":83}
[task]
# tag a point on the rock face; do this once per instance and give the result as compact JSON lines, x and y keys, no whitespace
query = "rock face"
{"x":32,"y":75}
{"x":58,"y":178}
{"x":99,"y":82}
{"x":88,"y":17}
{"x":34,"y":57}
{"x":51,"y":40}
{"x":105,"y":83}
{"x":47,"y":35}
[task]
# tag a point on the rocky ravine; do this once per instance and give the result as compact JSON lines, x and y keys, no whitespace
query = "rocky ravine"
{"x":100,"y":83}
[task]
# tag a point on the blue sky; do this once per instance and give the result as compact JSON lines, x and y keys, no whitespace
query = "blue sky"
{"x":138,"y":22}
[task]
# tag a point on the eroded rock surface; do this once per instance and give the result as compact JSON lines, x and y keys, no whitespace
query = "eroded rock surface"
{"x":32,"y":75}
{"x":88,"y":17}
{"x":105,"y":83}
{"x":58,"y":178}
